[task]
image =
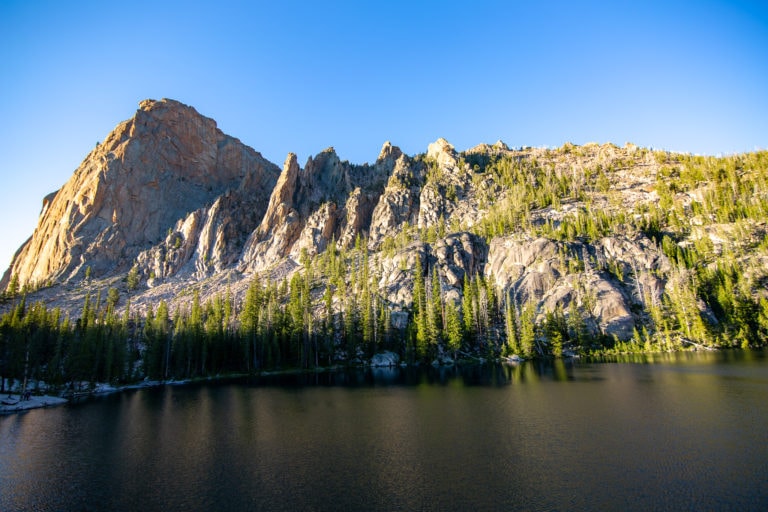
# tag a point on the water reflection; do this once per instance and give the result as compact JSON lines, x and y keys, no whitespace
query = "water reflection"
{"x":685,"y":433}
{"x":494,"y":375}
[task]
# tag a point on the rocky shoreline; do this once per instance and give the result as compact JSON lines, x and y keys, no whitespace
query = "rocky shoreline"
{"x":14,"y":403}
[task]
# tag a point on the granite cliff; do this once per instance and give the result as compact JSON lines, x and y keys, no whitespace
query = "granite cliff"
{"x":151,"y":172}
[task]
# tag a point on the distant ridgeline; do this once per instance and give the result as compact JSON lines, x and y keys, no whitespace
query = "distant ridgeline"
{"x":175,"y":251}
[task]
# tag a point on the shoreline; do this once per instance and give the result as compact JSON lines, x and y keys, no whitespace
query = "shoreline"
{"x":12,"y":402}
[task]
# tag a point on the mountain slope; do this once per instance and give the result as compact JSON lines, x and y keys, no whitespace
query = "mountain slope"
{"x":153,"y":169}
{"x":592,"y":245}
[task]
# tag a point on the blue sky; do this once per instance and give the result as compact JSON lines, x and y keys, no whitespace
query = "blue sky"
{"x":302,"y":76}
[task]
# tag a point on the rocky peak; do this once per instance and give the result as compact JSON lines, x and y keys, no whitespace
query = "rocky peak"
{"x":440,"y":146}
{"x":329,"y":199}
{"x":281,"y":200}
{"x":148,"y":103}
{"x":326,"y":159}
{"x":389,"y":153}
{"x":324,"y":177}
{"x":166,"y":161}
{"x":442,"y":151}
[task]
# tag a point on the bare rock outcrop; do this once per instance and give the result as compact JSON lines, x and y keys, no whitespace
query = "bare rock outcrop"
{"x":329,"y":200}
{"x":318,"y":231}
{"x":281,"y":225}
{"x":604,"y":278}
{"x":460,"y":255}
{"x":397,"y":274}
{"x":152,"y":170}
{"x":209,"y":240}
{"x":442,"y":152}
{"x":398,"y":204}
{"x":453,"y":257}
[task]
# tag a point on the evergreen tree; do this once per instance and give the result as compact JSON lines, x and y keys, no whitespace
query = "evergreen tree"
{"x":13,"y":286}
{"x":512,"y":345}
{"x":197,"y":342}
{"x":249,"y":325}
{"x":328,"y":323}
{"x":152,"y":349}
{"x":420,"y":310}
{"x":527,"y":329}
{"x":553,"y":330}
{"x":162,"y":332}
{"x":296,"y":313}
{"x":577,"y":328}
{"x":435,"y":309}
{"x":468,"y":308}
{"x":132,"y":280}
{"x":453,"y":331}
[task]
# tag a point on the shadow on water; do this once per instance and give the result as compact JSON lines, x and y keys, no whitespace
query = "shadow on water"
{"x":486,"y":375}
{"x":498,"y":374}
{"x":483,"y":375}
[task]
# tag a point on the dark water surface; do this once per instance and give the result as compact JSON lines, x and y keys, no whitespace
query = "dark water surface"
{"x":688,"y":432}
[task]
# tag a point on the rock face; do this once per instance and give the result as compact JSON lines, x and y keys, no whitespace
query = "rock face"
{"x":329,"y":200}
{"x":152,"y":170}
{"x":604,"y":279}
{"x":399,"y":202}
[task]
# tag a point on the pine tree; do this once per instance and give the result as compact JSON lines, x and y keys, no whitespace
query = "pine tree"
{"x":228,"y":308}
{"x":198,"y":350}
{"x":682,"y":295}
{"x":435,"y":309}
{"x":482,"y":320}
{"x":453,"y":331}
{"x":132,"y":280}
{"x":152,"y":352}
{"x":554,"y":332}
{"x":468,"y":309}
{"x":310,"y":349}
{"x":527,"y":329}
{"x":182,"y":355}
{"x":328,"y":322}
{"x":367,"y":319}
{"x":113,"y":296}
{"x":162,"y":332}
{"x":249,"y":324}
{"x":420,"y":310}
{"x":577,"y":328}
{"x":296,"y":314}
{"x":512,"y":345}
{"x":13,"y":286}
{"x":214,"y":333}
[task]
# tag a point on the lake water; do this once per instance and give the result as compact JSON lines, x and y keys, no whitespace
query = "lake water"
{"x":688,"y":432}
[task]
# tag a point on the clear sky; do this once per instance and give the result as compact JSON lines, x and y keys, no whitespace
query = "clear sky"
{"x":282,"y":76}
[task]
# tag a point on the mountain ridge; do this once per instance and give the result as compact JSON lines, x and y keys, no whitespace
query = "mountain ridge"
{"x":594,"y":239}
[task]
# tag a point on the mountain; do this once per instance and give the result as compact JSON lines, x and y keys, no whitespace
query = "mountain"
{"x":622,"y":244}
{"x":163,"y":164}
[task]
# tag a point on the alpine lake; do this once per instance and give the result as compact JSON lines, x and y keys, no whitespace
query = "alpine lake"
{"x":685,"y":431}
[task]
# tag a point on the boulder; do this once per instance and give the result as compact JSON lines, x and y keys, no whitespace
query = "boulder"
{"x":383,"y":359}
